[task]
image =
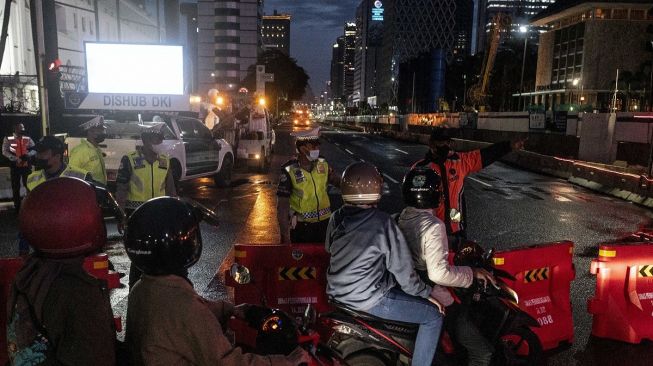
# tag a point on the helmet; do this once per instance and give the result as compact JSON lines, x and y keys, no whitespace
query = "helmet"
{"x":422,"y":188}
{"x":163,"y":236}
{"x":60,"y":224}
{"x":361,"y":184}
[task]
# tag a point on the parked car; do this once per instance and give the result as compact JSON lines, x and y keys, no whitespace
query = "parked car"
{"x":193,"y":151}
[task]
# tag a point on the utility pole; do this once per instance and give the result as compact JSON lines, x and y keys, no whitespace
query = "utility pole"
{"x":412,"y":99}
{"x":614,"y":96}
{"x":39,"y":41}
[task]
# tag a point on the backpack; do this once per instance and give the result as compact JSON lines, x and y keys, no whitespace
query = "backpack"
{"x":27,"y":339}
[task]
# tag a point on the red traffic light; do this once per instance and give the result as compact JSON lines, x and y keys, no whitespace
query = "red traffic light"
{"x":54,"y":65}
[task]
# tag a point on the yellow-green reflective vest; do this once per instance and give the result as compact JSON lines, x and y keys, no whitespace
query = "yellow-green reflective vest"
{"x":89,"y":158}
{"x":309,"y":198}
{"x":39,"y":176}
{"x":147,"y":180}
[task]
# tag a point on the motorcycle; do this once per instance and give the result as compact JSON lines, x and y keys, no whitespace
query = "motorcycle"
{"x":363,"y":339}
{"x":279,"y":333}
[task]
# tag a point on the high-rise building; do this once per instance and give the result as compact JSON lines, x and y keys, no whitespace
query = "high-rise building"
{"x":519,"y":11}
{"x":464,"y":18}
{"x":275,"y":32}
{"x":413,"y":28}
{"x":349,"y":59}
{"x":337,"y":68}
{"x":228,"y":41}
{"x":369,"y":38}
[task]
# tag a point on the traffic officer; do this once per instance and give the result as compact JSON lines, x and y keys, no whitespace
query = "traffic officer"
{"x":145,"y":173}
{"x":303,"y":206}
{"x":49,"y":163}
{"x":87,"y":155}
{"x":454,"y":167}
{"x":16,"y":148}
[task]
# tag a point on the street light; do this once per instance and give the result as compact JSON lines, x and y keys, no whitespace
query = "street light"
{"x":523,"y":29}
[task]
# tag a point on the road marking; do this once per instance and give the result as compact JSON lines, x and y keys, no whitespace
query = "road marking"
{"x":337,"y":144}
{"x":390,"y":178}
{"x":562,"y":199}
{"x":347,"y":150}
{"x":402,"y":151}
{"x":480,"y":181}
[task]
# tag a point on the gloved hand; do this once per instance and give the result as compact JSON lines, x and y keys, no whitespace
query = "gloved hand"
{"x":483,"y":275}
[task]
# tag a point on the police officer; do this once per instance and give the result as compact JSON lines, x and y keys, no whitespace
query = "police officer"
{"x":16,"y":148}
{"x":144,"y":173}
{"x":303,"y":207}
{"x":49,"y":163}
{"x":87,"y":155}
{"x":454,"y":167}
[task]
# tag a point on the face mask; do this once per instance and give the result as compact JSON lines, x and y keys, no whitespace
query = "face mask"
{"x":313,"y":155}
{"x":442,"y":151}
{"x":20,"y":133}
{"x":100,"y":138}
{"x":158,"y":148}
{"x":41,"y":164}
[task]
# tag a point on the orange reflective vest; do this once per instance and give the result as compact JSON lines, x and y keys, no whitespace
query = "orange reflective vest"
{"x":18,"y":146}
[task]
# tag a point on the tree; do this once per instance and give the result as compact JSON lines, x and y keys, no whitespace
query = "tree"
{"x":290,"y":79}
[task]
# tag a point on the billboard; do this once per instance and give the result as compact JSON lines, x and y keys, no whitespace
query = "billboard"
{"x":134,"y":68}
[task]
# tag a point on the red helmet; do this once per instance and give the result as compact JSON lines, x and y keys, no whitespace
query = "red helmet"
{"x":60,"y":218}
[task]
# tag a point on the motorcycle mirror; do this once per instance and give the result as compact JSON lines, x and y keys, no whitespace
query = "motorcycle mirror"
{"x":310,"y":316}
{"x":240,"y":274}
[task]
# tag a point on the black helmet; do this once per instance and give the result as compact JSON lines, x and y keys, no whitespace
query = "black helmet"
{"x":422,"y":188}
{"x":163,"y":235}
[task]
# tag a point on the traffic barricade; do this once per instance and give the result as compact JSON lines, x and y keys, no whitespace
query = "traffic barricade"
{"x":8,"y":269}
{"x":622,"y":306}
{"x":286,"y":277}
{"x":98,"y":266}
{"x":543,"y":275}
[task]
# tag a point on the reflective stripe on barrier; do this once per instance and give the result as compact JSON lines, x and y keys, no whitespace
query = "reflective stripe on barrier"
{"x":622,"y":306}
{"x":288,"y":277}
{"x":8,"y":269}
{"x":543,"y":276}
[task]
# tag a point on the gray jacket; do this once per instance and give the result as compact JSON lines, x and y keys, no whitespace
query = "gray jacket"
{"x":427,"y":239}
{"x":369,"y":256}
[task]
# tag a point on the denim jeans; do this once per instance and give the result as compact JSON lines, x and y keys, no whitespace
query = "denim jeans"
{"x":397,"y":305}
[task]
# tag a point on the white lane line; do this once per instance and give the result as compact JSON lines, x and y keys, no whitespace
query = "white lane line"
{"x":391,"y":179}
{"x":347,"y":150}
{"x":480,"y":181}
{"x":337,"y":144}
{"x":402,"y":151}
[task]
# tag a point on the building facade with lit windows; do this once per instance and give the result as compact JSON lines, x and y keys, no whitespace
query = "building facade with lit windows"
{"x":586,"y":43}
{"x":275,"y":32}
{"x":337,"y":68}
{"x":369,"y":38}
{"x":349,"y":61}
{"x":229,"y":39}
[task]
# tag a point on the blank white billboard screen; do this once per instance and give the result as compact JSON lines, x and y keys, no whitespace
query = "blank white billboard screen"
{"x":134,"y":69}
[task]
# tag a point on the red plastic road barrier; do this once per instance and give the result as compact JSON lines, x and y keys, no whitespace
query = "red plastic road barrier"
{"x":287,"y":277}
{"x":98,"y":267}
{"x":8,"y":269}
{"x":543,"y":279}
{"x":623,"y":302}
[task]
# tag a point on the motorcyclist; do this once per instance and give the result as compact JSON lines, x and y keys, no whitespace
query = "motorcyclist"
{"x":168,"y":323}
{"x":58,"y":314}
{"x":427,"y":239}
{"x":370,"y":268}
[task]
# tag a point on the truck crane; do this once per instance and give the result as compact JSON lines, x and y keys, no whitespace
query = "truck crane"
{"x":478,"y":93}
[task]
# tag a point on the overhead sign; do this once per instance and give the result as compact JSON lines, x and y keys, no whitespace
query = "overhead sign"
{"x":119,"y":68}
{"x":127,"y":102}
{"x":377,"y":10}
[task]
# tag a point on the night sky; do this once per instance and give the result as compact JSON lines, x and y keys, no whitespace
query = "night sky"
{"x":314,"y":27}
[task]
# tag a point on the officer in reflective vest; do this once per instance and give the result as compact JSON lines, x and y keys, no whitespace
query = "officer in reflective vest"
{"x":49,"y":163}
{"x":16,"y":148}
{"x":87,"y":155}
{"x":145,"y":173}
{"x":303,"y":207}
{"x":454,"y":167}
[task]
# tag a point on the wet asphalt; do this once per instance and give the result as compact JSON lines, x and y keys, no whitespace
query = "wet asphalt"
{"x":506,"y":208}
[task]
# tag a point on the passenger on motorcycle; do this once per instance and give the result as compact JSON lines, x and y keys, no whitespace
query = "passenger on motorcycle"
{"x":168,"y":323}
{"x":370,"y":268}
{"x":427,"y":239}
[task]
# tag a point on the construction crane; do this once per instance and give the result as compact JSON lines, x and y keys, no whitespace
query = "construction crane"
{"x":478,"y":93}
